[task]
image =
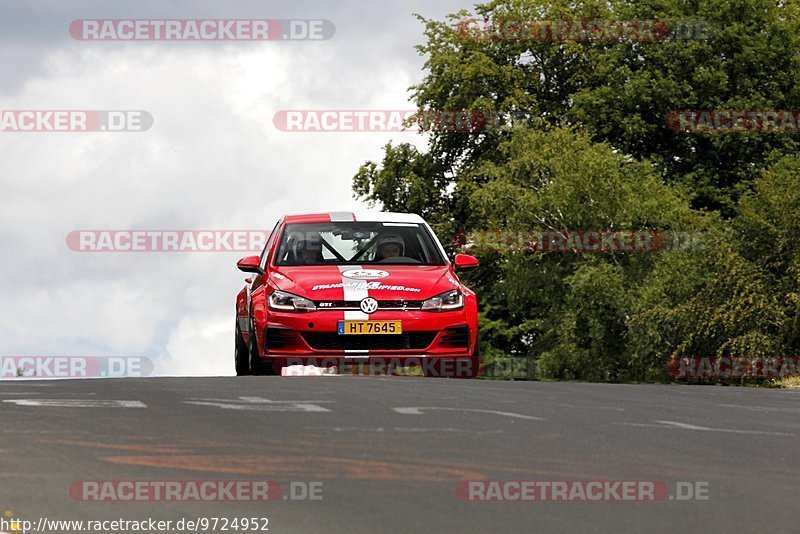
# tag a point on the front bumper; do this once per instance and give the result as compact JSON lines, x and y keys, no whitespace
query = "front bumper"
{"x":314,"y":334}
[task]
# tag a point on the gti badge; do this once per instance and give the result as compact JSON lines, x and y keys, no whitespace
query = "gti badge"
{"x":369,"y":305}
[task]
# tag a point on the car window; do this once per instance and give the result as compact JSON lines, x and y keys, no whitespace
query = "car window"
{"x":357,"y":243}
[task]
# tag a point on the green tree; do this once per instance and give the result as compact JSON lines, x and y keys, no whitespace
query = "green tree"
{"x":623,"y":91}
{"x":741,"y":297}
{"x":578,"y":139}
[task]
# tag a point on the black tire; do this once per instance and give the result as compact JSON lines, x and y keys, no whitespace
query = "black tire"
{"x":241,"y":355}
{"x":258,"y":366}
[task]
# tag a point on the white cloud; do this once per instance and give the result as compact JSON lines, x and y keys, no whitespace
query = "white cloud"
{"x":212,"y":160}
{"x":199,"y":345}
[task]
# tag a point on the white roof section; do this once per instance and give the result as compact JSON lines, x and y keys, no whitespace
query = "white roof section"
{"x":387,"y":216}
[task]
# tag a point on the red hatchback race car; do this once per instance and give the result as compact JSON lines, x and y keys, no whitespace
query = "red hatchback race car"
{"x":336,"y":289}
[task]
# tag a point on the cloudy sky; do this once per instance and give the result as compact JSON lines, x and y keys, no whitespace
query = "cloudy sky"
{"x":211,"y":160}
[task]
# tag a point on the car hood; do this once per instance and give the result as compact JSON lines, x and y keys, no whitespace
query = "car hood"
{"x":385,"y":282}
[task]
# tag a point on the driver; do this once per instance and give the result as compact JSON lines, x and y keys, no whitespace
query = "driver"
{"x":390,"y":246}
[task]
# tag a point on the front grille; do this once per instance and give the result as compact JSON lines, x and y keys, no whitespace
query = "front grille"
{"x":458,"y":336}
{"x":334,"y":341}
{"x":399,"y":304}
{"x":355,"y":304}
{"x":278,"y":338}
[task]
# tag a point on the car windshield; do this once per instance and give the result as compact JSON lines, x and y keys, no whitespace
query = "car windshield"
{"x":342,"y":243}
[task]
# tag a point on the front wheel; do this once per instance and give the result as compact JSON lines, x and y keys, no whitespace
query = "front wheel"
{"x":241,"y":355}
{"x":257,"y":364}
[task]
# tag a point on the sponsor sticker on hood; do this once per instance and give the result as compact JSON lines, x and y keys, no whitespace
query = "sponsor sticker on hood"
{"x":360,"y":286}
{"x":364,"y":274}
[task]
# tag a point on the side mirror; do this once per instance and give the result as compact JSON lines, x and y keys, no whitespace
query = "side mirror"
{"x":465,"y":262}
{"x":248,"y":280}
{"x":250,"y":264}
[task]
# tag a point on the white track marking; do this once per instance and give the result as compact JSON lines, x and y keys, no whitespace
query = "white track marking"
{"x":260,"y":404}
{"x":77,"y":403}
{"x":417,"y":410}
{"x":400,"y":430}
{"x":687,"y":426}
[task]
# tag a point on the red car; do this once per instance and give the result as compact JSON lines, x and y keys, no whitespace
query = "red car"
{"x":333,"y":289}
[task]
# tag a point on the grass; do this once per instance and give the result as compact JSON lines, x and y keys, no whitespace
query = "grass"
{"x":790,"y":382}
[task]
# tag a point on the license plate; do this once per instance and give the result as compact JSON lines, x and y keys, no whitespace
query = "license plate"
{"x":370,"y":327}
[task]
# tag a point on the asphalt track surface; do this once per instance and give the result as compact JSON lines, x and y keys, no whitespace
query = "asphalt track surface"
{"x":389,"y":451}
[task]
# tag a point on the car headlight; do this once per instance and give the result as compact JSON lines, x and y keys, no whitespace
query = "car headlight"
{"x":449,"y":300}
{"x":283,"y":301}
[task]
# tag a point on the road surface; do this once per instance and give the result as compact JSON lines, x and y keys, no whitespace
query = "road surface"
{"x":386,"y":454}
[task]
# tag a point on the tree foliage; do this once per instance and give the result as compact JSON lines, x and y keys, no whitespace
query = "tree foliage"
{"x":578,"y":140}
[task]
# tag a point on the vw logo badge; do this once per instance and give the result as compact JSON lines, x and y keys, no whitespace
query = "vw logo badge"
{"x":369,"y":305}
